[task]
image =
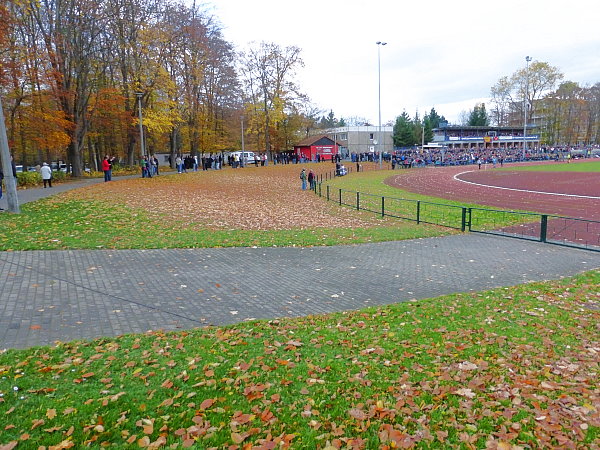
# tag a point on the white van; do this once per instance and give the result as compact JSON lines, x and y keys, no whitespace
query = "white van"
{"x":248,"y":157}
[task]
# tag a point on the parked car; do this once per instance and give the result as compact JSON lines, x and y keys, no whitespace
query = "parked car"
{"x":248,"y":156}
{"x":19,"y":168}
{"x":31,"y":169}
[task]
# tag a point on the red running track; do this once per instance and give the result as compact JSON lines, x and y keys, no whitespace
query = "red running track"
{"x":570,"y":194}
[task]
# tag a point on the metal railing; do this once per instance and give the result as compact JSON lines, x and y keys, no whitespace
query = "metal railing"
{"x":547,"y":228}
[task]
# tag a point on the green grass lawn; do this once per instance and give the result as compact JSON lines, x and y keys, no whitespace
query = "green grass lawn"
{"x":562,"y":166}
{"x":73,"y":224}
{"x":512,"y":366}
{"x":402,"y":203}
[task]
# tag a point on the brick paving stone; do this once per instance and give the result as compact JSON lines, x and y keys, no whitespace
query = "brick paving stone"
{"x":49,"y":296}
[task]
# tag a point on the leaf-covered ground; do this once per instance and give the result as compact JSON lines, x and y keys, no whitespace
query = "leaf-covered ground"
{"x":261,"y":198}
{"x":509,"y":368}
{"x":261,"y":206}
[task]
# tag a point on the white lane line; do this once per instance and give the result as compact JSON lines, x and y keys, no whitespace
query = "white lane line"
{"x":519,"y":190}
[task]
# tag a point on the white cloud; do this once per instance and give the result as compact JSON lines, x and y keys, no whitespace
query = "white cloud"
{"x":439,"y":53}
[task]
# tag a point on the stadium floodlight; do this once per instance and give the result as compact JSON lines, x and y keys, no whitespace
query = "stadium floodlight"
{"x":379,"y":44}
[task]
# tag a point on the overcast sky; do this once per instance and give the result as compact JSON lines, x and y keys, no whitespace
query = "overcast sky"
{"x":443,"y":54}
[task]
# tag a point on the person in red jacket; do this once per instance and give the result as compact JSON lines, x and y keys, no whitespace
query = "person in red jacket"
{"x":107,"y":169}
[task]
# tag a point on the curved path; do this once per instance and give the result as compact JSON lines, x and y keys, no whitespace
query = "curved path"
{"x":49,"y":296}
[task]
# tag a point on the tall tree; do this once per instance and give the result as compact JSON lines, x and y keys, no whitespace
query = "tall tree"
{"x":434,"y":118}
{"x":403,"y":132}
{"x":269,"y":72}
{"x":478,"y":116}
{"x":71,"y":32}
{"x":517,"y":95}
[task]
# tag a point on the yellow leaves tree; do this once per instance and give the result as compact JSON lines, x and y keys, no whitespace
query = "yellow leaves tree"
{"x":268,"y":72}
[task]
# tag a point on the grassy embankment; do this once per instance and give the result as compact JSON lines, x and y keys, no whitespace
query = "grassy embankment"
{"x":508,"y":367}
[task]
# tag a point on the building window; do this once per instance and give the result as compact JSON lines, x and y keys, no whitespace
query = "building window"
{"x":371,"y":136}
{"x":343,"y":137}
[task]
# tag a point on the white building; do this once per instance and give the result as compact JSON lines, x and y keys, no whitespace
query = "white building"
{"x":361,"y":139}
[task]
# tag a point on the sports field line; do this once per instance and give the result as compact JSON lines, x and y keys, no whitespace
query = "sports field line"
{"x":519,"y":190}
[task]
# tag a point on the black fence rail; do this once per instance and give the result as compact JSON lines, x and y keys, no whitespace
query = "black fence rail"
{"x":567,"y":231}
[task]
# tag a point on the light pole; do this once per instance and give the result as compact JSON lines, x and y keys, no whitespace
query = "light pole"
{"x":143,"y":148}
{"x":527,"y":60}
{"x":243,"y":147}
{"x":379,"y":44}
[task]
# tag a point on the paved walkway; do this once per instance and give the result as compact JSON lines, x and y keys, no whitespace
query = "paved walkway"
{"x":37,"y":193}
{"x":49,"y":296}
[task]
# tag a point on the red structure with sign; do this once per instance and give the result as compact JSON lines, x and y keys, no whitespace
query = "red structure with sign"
{"x":320,"y":145}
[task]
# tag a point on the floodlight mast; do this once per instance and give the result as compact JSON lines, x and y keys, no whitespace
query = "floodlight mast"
{"x":379,"y":44}
{"x":525,"y":100}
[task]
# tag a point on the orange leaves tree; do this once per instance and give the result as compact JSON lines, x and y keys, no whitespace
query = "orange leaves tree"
{"x":72,"y":69}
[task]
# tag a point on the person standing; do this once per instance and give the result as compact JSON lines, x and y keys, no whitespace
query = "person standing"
{"x":144,"y":167}
{"x":148,"y":167}
{"x":311,"y":180}
{"x":303,"y":178}
{"x":107,"y":169}
{"x":46,"y":172}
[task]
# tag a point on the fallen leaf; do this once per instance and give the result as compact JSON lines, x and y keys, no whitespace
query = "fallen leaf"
{"x":465,"y":392}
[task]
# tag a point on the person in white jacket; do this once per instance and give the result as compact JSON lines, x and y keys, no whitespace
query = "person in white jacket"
{"x":46,"y":172}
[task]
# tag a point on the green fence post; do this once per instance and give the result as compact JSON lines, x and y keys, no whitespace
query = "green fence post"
{"x":340,"y":196}
{"x":463,"y":224}
{"x":327,"y":192}
{"x":382,"y":206}
{"x":358,"y":201}
{"x":470,"y":218}
{"x":543,"y":228}
{"x":418,"y":211}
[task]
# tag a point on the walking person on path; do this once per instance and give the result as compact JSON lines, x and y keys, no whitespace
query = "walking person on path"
{"x":303,"y":178}
{"x":46,"y":172}
{"x":107,"y":169}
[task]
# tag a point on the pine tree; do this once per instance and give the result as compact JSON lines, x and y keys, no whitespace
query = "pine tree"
{"x":403,"y":131}
{"x":434,"y":119}
{"x":479,"y":117}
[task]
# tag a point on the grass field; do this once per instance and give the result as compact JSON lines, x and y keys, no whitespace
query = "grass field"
{"x":401,"y":203}
{"x":249,"y":207}
{"x":509,"y":367}
{"x":562,"y":166}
